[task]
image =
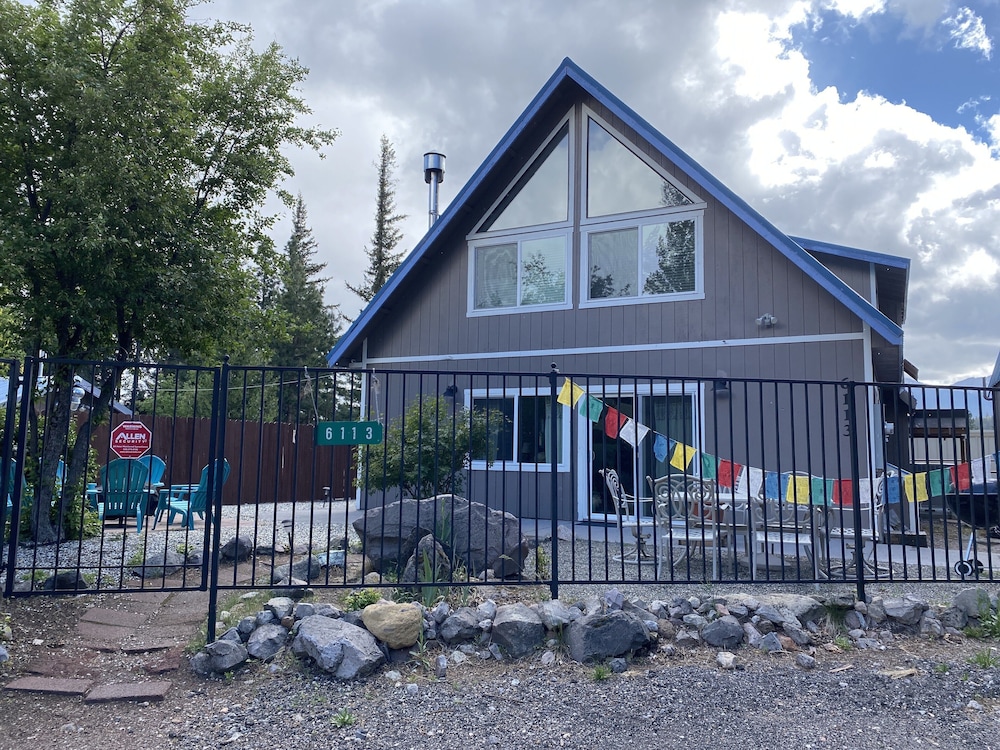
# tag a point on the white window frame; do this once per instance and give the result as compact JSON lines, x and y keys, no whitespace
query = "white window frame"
{"x":630,"y":222}
{"x":519,"y":239}
{"x":515,"y":465}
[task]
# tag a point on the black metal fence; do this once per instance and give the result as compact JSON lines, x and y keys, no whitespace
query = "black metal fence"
{"x":451,"y":478}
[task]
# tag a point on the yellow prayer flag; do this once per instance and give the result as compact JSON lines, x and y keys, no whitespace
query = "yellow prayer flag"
{"x":682,"y":456}
{"x":570,"y":393}
{"x":799,"y":488}
{"x":915,"y":486}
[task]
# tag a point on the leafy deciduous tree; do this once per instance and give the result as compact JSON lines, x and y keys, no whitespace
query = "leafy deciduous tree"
{"x":136,"y":151}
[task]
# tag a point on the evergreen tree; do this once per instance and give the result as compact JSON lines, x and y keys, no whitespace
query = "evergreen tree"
{"x":310,"y":326}
{"x":382,"y":256}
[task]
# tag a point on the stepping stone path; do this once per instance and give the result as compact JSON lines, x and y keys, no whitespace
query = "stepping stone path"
{"x":153,"y":627}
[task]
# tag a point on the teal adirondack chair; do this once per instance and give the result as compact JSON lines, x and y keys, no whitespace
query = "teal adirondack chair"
{"x":156,"y":466}
{"x":11,"y":478}
{"x":25,"y":489}
{"x":123,"y":490}
{"x":187,"y":499}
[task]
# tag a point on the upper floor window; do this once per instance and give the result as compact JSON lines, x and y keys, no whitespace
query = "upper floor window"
{"x":520,"y":272}
{"x":639,"y":260}
{"x":540,"y":194}
{"x":639,"y":232}
{"x":619,"y":182}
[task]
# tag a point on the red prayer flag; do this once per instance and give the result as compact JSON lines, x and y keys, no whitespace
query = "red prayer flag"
{"x":727,"y":473}
{"x":961,"y":476}
{"x":843,"y":492}
{"x":613,"y":422}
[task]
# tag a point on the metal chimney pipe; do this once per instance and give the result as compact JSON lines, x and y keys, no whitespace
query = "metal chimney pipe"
{"x":433,"y":176}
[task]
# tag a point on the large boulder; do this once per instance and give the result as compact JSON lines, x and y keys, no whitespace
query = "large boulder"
{"x":598,"y":636}
{"x":344,"y":650}
{"x":476,"y":536}
{"x":518,"y":629}
{"x":397,"y":625}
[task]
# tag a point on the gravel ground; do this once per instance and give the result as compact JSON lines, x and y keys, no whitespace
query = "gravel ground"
{"x":914,"y":693}
{"x":106,"y":559}
{"x":768,"y":703}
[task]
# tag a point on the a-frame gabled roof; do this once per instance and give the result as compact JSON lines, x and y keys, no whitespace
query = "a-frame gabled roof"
{"x":568,"y":75}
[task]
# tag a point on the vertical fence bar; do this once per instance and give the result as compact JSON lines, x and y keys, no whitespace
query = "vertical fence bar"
{"x":213,"y":510}
{"x":852,"y":425}
{"x":7,"y":476}
{"x":554,"y":467}
{"x":28,"y":378}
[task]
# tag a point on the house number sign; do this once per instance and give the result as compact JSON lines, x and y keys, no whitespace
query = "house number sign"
{"x":348,"y":433}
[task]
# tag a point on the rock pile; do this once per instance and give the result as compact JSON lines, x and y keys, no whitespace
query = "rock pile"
{"x":481,"y":538}
{"x":353,"y":644}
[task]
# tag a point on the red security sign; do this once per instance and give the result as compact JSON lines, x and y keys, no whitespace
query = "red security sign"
{"x":131,"y":440}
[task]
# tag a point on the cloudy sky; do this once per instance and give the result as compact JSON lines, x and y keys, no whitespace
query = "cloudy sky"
{"x":869,"y":123}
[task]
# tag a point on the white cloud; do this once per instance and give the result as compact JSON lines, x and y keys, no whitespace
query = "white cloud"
{"x":968,"y":31}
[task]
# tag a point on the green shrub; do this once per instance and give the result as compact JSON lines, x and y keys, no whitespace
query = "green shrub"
{"x":601,"y":672}
{"x":361,"y":599}
{"x":429,"y":447}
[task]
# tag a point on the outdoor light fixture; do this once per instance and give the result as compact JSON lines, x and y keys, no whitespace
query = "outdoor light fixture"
{"x":451,"y":392}
{"x":767,"y":321}
{"x":76,"y":396}
{"x":720,"y":387}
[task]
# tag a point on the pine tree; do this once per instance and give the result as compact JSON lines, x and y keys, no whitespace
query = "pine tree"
{"x":310,"y":327}
{"x":382,"y":256}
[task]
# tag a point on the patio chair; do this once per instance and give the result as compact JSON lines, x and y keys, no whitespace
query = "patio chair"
{"x":122,"y":490}
{"x":156,"y":466}
{"x":839,"y":525}
{"x":187,"y":499}
{"x":784,"y":528}
{"x":627,"y":512}
{"x":688,"y":514}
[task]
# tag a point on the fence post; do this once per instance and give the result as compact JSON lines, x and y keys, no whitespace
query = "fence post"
{"x":213,"y":509}
{"x":554,"y":466}
{"x":859,"y":544}
{"x":11,"y":476}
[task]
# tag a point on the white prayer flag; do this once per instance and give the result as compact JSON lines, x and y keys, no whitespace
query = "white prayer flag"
{"x":750,"y":482}
{"x":632,"y":432}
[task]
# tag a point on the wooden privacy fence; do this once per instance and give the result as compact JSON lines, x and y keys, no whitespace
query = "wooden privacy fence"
{"x":270,"y":461}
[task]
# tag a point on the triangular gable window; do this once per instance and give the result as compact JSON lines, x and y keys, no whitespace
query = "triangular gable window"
{"x":541,"y":194}
{"x":620,"y":182}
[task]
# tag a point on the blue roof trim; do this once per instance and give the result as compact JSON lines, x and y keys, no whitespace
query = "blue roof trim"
{"x":854,"y":253}
{"x":571,"y":71}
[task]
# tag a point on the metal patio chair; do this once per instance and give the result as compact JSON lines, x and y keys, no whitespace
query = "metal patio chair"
{"x":689,"y":514}
{"x":630,"y":525}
